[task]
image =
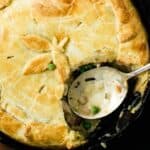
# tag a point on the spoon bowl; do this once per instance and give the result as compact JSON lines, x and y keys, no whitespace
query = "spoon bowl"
{"x":99,"y":92}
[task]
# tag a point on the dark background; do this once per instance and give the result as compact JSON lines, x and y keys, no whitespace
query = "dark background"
{"x":136,"y":136}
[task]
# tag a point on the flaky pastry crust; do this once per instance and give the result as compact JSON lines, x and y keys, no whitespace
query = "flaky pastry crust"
{"x":68,"y":33}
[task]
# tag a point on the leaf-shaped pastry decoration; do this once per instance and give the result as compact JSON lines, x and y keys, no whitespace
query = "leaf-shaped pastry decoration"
{"x":60,"y":59}
{"x":62,"y":43}
{"x":42,"y":62}
{"x":4,"y":3}
{"x":55,"y":46}
{"x":36,"y":43}
{"x":37,"y":64}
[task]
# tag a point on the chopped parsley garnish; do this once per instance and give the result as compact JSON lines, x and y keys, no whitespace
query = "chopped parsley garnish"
{"x":95,"y":110}
{"x":51,"y":66}
{"x":86,"y":124}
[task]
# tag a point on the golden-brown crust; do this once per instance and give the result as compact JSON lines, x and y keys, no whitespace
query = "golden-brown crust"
{"x":36,"y":32}
{"x":9,"y":125}
{"x":50,"y":135}
{"x":59,"y":59}
{"x":4,"y":3}
{"x":126,"y":33}
{"x":126,"y":30}
{"x":121,"y":11}
{"x":37,"y":64}
{"x":50,"y":8}
{"x":36,"y":43}
{"x":133,"y":49}
{"x":62,"y":65}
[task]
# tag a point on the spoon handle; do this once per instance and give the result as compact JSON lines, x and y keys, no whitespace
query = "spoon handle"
{"x":138,"y":71}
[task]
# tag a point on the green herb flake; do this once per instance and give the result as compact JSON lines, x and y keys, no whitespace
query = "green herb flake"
{"x":86,"y":124}
{"x":95,"y":110}
{"x":51,"y":66}
{"x":86,"y":67}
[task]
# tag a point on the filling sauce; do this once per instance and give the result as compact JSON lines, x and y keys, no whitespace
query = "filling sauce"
{"x":97,"y":92}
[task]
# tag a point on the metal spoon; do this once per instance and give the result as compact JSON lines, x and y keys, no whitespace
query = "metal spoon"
{"x":98,"y":92}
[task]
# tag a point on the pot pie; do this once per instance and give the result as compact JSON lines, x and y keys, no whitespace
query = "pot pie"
{"x":41,"y":43}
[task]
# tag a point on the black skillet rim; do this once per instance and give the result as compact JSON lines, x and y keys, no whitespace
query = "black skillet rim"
{"x":95,"y":138}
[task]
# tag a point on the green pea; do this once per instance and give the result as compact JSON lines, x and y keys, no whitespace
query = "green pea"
{"x":95,"y":110}
{"x":51,"y":66}
{"x":86,"y":124}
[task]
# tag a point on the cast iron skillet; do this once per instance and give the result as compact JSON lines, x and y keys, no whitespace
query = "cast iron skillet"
{"x":111,"y":126}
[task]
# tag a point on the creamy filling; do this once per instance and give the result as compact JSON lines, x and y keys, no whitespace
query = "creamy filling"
{"x":96,"y":93}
